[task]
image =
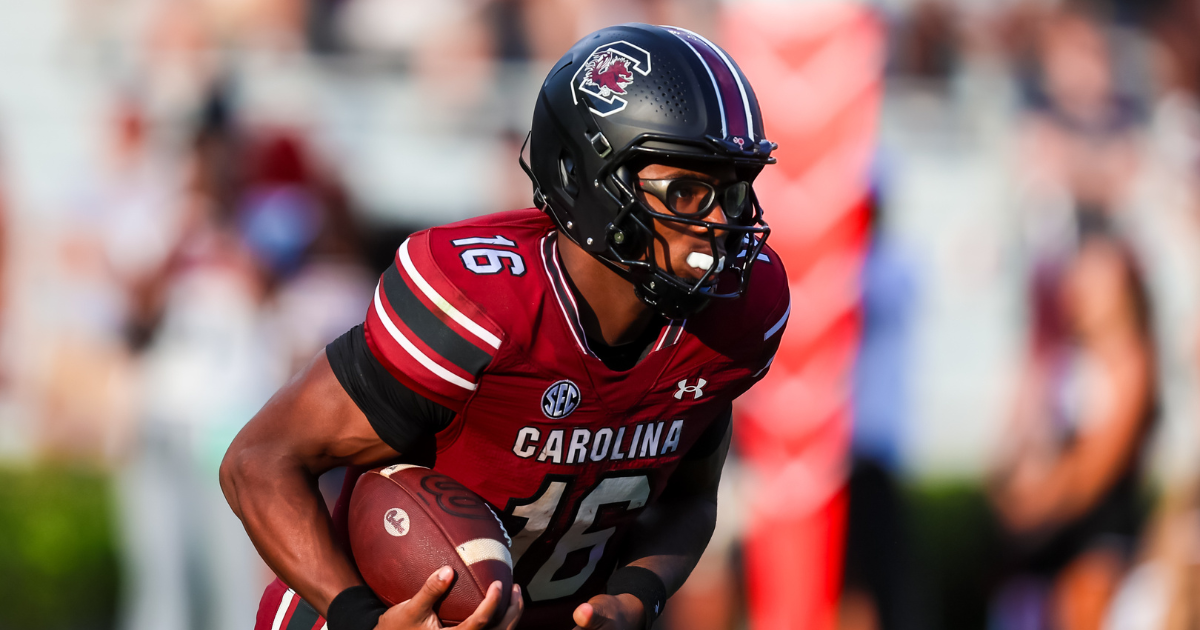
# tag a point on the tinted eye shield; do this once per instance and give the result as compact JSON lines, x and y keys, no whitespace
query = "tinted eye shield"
{"x":696,"y":199}
{"x":744,"y":235}
{"x":742,"y":244}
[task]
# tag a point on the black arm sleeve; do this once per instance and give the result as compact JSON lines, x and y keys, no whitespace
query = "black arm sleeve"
{"x":401,"y":417}
{"x":710,"y":440}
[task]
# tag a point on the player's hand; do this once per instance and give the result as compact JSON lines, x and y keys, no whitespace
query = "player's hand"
{"x":417,"y":613}
{"x":610,"y":612}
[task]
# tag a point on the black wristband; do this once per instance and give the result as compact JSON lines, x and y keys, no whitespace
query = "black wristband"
{"x":356,"y":608}
{"x":643,"y":584}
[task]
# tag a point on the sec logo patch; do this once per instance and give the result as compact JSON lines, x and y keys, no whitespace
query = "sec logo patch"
{"x":560,"y":400}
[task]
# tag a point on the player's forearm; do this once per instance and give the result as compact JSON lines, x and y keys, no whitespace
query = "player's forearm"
{"x":270,"y":472}
{"x":671,"y":535}
{"x":284,"y":514}
{"x":670,"y":538}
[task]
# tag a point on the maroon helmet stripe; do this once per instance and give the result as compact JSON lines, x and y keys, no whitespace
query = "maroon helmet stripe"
{"x":737,"y":123}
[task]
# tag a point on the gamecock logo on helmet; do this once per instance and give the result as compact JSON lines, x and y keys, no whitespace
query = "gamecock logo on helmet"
{"x":607,"y":72}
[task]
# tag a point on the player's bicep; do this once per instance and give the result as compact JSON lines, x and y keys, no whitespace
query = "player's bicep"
{"x":310,"y":422}
{"x":404,"y":419}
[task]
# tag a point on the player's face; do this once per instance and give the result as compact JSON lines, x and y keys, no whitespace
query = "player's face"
{"x":675,"y":243}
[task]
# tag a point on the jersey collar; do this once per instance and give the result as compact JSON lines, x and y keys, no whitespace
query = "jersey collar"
{"x":670,"y":335}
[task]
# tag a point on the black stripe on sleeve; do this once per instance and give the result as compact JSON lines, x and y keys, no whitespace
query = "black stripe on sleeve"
{"x":304,"y":618}
{"x":431,"y":330}
{"x":404,"y":419}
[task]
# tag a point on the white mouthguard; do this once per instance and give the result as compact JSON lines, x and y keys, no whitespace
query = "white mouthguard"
{"x":704,"y":262}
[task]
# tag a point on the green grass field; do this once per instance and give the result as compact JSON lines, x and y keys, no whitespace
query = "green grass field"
{"x":58,"y":561}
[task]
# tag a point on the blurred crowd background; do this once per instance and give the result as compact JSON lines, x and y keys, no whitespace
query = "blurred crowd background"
{"x":197,"y":195}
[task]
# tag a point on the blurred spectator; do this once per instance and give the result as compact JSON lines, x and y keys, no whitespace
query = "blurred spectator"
{"x":449,"y":46}
{"x":877,"y":592}
{"x":882,"y":383}
{"x":118,"y":232}
{"x":926,"y":42}
{"x":1081,"y":138}
{"x":297,"y":223}
{"x":208,"y":362}
{"x":1162,"y":592}
{"x":397,"y":28}
{"x":1164,"y":223}
{"x":1174,"y":26}
{"x":263,"y":274}
{"x":5,"y":249}
{"x":1066,"y":485}
{"x":13,"y":432}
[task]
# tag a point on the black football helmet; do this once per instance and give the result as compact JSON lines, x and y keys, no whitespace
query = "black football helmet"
{"x":631,"y":95}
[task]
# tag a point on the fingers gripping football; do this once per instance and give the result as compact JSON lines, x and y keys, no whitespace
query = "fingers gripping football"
{"x":418,"y":612}
{"x":609,"y":612}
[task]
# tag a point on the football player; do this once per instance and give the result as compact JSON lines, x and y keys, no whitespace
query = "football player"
{"x":574,"y":364}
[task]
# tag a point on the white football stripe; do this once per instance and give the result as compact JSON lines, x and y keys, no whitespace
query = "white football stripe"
{"x":395,"y":468}
{"x":779,"y":323}
{"x":482,"y":549}
{"x":283,"y":608}
{"x":447,"y":308}
{"x":416,"y":353}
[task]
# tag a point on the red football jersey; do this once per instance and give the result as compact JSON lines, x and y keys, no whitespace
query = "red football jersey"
{"x":478,"y":316}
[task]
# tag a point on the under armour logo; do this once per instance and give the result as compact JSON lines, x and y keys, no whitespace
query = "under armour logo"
{"x":697,"y":389}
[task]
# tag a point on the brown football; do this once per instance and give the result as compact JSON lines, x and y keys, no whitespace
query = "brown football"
{"x":408,"y":521}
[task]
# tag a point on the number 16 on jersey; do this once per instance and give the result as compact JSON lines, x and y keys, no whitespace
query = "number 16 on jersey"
{"x":541,"y":510}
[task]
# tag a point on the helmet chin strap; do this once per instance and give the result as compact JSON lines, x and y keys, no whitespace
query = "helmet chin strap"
{"x":671,"y":302}
{"x":664,"y":298}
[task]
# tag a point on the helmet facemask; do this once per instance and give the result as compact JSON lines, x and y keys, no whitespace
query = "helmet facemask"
{"x":632,"y":235}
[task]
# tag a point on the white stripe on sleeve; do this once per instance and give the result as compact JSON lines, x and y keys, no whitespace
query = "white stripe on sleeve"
{"x":779,"y":324}
{"x":283,"y":608}
{"x":447,"y":307}
{"x":416,"y":353}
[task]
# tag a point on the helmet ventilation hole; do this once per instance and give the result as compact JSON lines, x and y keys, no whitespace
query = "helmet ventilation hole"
{"x":666,"y":94}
